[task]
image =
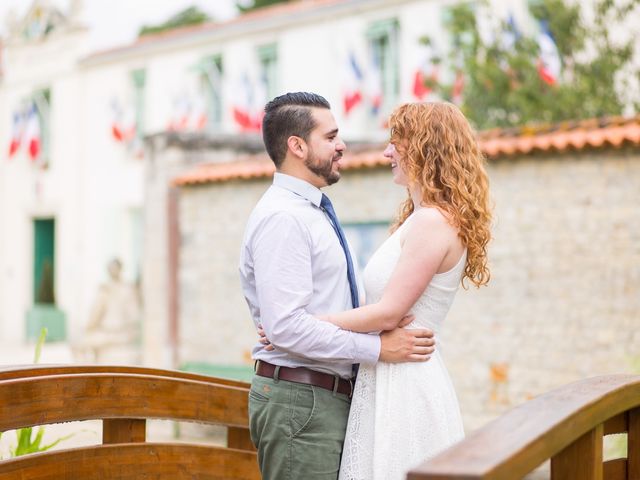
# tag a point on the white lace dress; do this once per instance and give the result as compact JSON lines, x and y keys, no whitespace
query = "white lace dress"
{"x":402,"y":414}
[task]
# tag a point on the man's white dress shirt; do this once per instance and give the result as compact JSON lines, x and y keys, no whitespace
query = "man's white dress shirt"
{"x":292,"y":267}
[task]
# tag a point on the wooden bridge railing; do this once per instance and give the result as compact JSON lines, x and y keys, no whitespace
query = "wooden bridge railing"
{"x":123,"y":398}
{"x":566,"y":425}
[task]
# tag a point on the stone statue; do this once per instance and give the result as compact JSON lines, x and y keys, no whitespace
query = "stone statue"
{"x":113,"y":330}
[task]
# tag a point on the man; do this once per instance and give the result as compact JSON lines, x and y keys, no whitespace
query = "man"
{"x":295,"y":263}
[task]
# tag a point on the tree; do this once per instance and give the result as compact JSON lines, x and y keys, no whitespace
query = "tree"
{"x":189,"y":16}
{"x":503,"y":86}
{"x":244,"y":6}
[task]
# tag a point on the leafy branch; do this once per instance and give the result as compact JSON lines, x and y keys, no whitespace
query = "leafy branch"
{"x":502,"y":84}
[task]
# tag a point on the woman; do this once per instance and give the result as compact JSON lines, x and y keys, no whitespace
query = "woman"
{"x":402,"y":414}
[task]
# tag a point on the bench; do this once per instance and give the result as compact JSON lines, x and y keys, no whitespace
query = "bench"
{"x":124,"y":398}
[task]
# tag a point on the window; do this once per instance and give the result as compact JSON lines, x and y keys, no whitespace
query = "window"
{"x":268,"y":57}
{"x":138,"y":78}
{"x":382,"y":39}
{"x":364,"y":239}
{"x":210,"y":70}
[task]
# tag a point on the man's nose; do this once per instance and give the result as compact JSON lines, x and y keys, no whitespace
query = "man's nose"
{"x":341,"y":146}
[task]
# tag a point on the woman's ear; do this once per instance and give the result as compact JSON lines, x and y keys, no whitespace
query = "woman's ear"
{"x":297,"y":146}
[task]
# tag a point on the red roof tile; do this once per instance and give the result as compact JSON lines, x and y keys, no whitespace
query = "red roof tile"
{"x":568,"y":136}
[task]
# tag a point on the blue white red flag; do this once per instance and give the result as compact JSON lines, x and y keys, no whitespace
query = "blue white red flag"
{"x":353,"y":84}
{"x":32,"y":133}
{"x":549,"y":63}
{"x":17,"y":132}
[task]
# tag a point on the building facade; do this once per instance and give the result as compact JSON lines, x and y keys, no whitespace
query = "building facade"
{"x":151,"y":153}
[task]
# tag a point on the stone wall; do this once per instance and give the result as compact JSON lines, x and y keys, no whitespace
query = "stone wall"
{"x":563,"y":302}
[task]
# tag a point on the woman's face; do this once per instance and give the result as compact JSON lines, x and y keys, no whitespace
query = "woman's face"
{"x":399,"y":174}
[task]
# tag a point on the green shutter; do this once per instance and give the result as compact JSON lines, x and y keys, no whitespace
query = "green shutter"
{"x":139,"y":78}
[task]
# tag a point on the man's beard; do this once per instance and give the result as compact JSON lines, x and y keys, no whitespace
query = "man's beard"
{"x":323,"y":168}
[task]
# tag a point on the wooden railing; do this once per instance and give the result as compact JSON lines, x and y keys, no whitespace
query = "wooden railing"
{"x":124,"y":398}
{"x":566,"y":425}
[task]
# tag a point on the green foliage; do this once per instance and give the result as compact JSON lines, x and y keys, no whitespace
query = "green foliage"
{"x":502,"y":87}
{"x":190,"y":16}
{"x":247,"y":6}
{"x":39,"y":343}
{"x":26,"y":443}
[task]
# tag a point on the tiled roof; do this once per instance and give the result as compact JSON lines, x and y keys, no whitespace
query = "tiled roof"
{"x":259,"y":166}
{"x":564,"y":137}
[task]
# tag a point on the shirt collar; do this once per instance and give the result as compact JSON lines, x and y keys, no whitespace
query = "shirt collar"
{"x":298,"y":186}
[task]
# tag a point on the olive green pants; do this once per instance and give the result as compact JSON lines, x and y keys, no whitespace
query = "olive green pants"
{"x":298,"y":429}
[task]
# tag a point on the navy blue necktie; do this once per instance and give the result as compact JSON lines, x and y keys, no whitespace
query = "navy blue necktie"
{"x":325,"y":204}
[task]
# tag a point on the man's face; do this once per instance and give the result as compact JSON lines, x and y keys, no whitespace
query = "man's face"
{"x":325,"y":148}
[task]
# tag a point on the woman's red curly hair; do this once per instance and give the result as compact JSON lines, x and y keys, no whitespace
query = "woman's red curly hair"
{"x":439,"y":151}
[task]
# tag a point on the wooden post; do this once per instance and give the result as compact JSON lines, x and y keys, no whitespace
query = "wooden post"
{"x":582,"y":460}
{"x":124,"y":430}
{"x":239,"y":438}
{"x":633,"y":445}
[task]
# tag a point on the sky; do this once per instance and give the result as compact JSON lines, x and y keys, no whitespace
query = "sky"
{"x":116,"y":22}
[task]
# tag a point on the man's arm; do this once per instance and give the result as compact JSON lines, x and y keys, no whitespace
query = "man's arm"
{"x":281,"y":252}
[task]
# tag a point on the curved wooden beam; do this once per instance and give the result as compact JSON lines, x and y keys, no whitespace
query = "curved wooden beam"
{"x":23,"y":371}
{"x":517,"y":442}
{"x":134,"y":461}
{"x":41,"y":400}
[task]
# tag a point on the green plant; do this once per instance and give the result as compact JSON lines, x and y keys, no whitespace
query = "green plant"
{"x":189,"y":16}
{"x":26,"y":443}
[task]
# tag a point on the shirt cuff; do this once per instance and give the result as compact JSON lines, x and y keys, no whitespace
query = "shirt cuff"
{"x":367,"y":347}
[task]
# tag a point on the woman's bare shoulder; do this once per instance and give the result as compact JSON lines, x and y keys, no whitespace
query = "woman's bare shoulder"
{"x":430,"y":217}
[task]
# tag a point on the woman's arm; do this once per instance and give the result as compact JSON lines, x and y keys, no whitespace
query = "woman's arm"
{"x":427,"y":242}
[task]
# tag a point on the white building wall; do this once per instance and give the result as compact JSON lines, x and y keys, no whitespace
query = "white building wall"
{"x":94,"y":187}
{"x":28,"y":192}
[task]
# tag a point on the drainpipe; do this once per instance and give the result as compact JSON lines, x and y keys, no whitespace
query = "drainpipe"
{"x":173,"y":261}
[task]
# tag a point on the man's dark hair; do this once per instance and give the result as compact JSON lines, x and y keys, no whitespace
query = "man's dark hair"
{"x":287,"y":115}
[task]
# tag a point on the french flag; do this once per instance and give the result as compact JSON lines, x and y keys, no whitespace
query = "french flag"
{"x":198,"y":118}
{"x":352,"y":94}
{"x":549,"y":64}
{"x":457,"y":88}
{"x":123,"y":124}
{"x":180,"y":116}
{"x":17,"y":132}
{"x":243,"y":110}
{"x":425,"y":75}
{"x":32,"y":133}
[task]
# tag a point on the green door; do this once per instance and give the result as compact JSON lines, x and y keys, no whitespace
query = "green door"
{"x":44,"y":313}
{"x":44,"y":261}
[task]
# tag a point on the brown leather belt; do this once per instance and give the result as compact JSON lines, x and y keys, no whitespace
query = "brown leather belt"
{"x":307,"y":376}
